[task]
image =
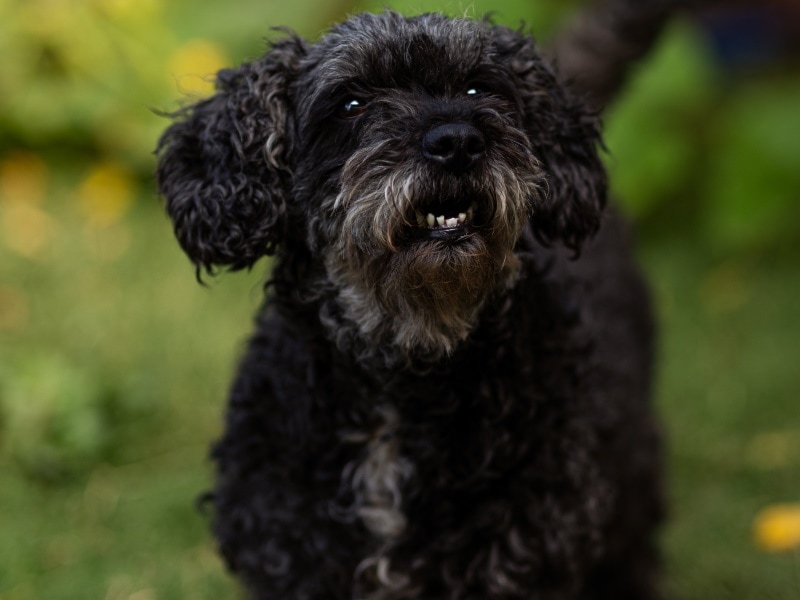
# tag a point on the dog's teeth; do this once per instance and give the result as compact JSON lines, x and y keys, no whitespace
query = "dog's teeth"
{"x":441,"y":221}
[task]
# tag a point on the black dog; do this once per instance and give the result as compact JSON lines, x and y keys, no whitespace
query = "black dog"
{"x":447,"y":393}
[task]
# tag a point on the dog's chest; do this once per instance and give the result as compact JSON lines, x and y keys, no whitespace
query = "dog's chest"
{"x":430,"y":467}
{"x":452,"y":440}
{"x":377,"y":475}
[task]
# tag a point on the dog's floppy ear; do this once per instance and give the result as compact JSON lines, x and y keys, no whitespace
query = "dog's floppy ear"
{"x":224,"y":166}
{"x":565,"y":137}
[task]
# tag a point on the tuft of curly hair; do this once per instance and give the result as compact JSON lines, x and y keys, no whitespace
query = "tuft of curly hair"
{"x":447,"y":392}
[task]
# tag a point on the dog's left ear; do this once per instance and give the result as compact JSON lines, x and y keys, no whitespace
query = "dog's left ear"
{"x":224,"y":166}
{"x":565,"y":137}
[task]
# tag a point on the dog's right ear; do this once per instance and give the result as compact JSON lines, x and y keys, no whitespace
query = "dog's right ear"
{"x":224,"y":165}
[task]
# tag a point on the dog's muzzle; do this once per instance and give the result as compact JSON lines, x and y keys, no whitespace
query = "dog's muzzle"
{"x":456,"y":148}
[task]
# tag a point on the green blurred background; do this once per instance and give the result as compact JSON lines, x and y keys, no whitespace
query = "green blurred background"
{"x":114,"y":363}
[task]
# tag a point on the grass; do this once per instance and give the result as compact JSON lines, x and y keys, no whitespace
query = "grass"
{"x":114,"y":366}
{"x":114,"y":315}
{"x":728,"y":393}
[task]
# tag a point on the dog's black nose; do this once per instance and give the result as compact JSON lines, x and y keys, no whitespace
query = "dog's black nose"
{"x":455,"y":146}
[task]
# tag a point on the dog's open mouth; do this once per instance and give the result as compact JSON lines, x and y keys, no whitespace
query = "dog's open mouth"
{"x":446,"y":221}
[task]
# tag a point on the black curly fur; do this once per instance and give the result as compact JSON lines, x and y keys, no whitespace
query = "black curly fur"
{"x":508,"y":454}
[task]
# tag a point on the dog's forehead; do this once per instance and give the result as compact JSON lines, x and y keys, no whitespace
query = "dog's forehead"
{"x":388,"y":50}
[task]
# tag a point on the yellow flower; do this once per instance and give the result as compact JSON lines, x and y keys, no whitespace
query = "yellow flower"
{"x":777,"y":528}
{"x":193,"y":65}
{"x":106,"y":194}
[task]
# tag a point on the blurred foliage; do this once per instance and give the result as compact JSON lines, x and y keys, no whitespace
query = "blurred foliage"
{"x":694,"y":148}
{"x":654,"y":127}
{"x":85,"y":73}
{"x":113,"y":363}
{"x":55,"y":416}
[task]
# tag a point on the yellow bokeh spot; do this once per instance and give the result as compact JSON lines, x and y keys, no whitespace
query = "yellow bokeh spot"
{"x":46,"y":18}
{"x":14,"y":309}
{"x":106,"y":194}
{"x":26,"y":229}
{"x":129,"y":10}
{"x":145,"y":594}
{"x":774,"y":450}
{"x":23,"y":178}
{"x":727,"y":288}
{"x":193,"y":65}
{"x":777,"y":528}
{"x":108,"y":244}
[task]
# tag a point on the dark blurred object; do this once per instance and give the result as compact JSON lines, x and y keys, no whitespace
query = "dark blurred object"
{"x":596,"y":52}
{"x":598,"y":48}
{"x":751,"y":35}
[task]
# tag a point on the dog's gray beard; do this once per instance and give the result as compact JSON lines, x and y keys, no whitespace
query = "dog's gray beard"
{"x":424,"y":297}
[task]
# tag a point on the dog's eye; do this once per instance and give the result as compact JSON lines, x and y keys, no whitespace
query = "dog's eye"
{"x":475,"y":90}
{"x":352,"y":108}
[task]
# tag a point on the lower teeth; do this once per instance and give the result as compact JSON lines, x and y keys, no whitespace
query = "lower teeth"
{"x":434,"y":222}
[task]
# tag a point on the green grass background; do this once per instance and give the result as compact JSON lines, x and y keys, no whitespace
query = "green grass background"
{"x":114,"y":363}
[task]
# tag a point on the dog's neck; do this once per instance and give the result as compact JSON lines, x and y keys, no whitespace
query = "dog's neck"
{"x":427,"y":323}
{"x":350,"y":317}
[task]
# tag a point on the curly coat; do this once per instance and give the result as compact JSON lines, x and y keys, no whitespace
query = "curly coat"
{"x":422,"y":412}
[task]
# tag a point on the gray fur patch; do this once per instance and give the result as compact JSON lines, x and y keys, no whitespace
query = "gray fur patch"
{"x":377,"y":479}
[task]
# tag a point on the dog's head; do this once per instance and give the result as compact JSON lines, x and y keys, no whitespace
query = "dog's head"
{"x":403,"y":155}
